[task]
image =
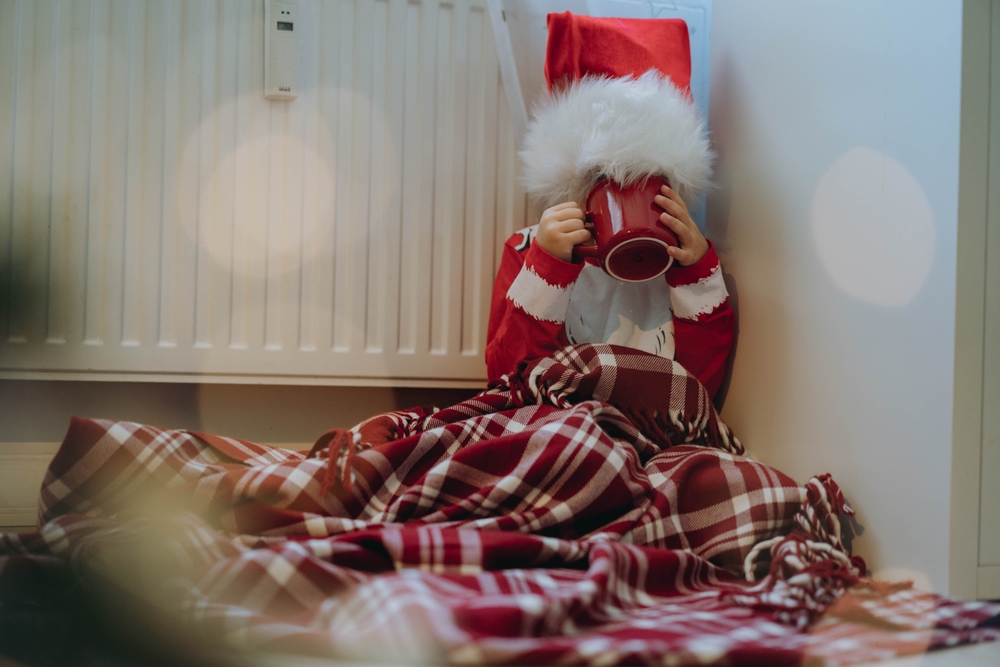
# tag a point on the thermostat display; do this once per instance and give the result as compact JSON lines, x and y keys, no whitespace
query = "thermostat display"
{"x":281,"y":50}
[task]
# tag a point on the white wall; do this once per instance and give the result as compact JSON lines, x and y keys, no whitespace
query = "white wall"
{"x":837,"y":128}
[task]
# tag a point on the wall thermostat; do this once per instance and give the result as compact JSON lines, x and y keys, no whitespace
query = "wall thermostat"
{"x":281,"y":49}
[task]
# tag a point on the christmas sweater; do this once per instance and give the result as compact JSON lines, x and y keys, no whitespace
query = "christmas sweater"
{"x":541,"y":303}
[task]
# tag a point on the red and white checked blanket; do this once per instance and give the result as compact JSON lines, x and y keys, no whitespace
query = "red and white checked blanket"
{"x":590,"y":508}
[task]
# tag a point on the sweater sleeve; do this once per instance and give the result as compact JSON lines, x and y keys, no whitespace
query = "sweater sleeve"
{"x":528,"y":308}
{"x":703,"y":319}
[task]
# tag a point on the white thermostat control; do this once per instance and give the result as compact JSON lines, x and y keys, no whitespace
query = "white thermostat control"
{"x":281,"y":49}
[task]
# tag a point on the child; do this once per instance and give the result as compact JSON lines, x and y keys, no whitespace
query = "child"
{"x":625,"y":125}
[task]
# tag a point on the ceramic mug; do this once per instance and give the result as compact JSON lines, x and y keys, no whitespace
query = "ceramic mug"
{"x":630,"y":239}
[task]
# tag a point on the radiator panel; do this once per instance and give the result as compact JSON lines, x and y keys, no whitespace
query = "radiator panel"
{"x":158,"y":216}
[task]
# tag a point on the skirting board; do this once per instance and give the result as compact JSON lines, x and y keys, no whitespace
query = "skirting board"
{"x":988,"y":587}
{"x":22,"y":468}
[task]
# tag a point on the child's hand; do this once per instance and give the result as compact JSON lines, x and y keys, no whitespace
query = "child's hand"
{"x":561,"y":228}
{"x":676,"y":217}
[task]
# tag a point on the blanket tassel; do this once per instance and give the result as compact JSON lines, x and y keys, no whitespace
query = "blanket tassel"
{"x":810,"y":567}
{"x":340,"y":445}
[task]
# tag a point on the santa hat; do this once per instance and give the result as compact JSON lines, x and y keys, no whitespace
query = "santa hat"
{"x":619,"y":106}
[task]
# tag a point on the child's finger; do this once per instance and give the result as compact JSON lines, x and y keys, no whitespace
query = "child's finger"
{"x":673,"y":195}
{"x":567,"y":225}
{"x":579,"y":236}
{"x":680,"y":255}
{"x":678,"y":227}
{"x":568,"y":213}
{"x":677,"y":206}
{"x":672,"y":206}
{"x":560,"y":209}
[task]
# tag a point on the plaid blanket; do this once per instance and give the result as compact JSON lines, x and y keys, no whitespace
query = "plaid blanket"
{"x":589,"y":508}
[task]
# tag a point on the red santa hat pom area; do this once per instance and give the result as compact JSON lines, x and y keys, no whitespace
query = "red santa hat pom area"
{"x":619,"y":107}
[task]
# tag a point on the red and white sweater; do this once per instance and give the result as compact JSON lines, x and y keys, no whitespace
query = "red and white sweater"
{"x":541,"y":303}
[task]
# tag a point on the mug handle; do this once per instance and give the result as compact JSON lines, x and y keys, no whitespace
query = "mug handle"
{"x":585,"y":251}
{"x":581,"y":251}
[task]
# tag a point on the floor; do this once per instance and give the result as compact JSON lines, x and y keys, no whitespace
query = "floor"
{"x":980,"y":655}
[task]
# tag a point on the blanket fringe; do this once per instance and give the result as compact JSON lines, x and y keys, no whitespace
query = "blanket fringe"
{"x":517,"y":384}
{"x":667,"y":429}
{"x":810,"y":568}
{"x":341,"y":445}
{"x":556,"y":381}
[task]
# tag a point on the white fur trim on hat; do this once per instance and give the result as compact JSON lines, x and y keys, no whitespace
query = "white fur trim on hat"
{"x":625,"y":129}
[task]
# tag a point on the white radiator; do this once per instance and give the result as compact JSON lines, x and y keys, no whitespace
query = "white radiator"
{"x":161,"y":220}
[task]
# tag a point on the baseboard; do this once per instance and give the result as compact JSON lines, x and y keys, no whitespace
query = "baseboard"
{"x":22,"y":468}
{"x":988,"y":582}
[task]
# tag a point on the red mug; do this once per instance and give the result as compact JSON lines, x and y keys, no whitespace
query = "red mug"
{"x":630,"y":239}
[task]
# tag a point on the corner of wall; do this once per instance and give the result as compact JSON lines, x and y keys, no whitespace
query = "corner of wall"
{"x":970,"y":281}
